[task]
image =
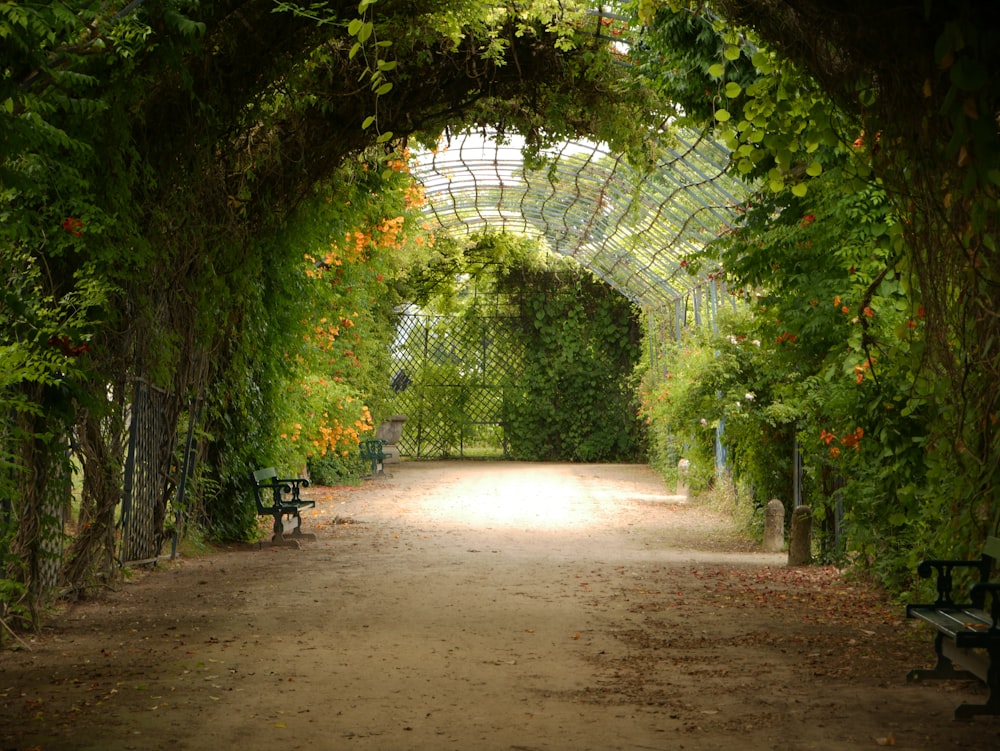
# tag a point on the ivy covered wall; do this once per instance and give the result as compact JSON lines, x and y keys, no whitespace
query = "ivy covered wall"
{"x":576,"y":398}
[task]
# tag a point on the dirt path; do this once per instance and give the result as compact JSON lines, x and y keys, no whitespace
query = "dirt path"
{"x":481,"y":606}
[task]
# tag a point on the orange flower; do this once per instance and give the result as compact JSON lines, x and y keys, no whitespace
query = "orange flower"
{"x":73,"y":226}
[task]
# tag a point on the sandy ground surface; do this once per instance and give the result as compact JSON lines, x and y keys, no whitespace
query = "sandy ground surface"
{"x":478,"y":606}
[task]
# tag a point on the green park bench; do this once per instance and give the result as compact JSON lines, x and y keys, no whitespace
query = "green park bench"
{"x":279,"y":497}
{"x":371,"y":451}
{"x":967,"y":642}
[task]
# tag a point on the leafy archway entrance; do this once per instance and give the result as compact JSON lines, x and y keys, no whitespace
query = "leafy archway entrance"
{"x":632,"y":229}
{"x":518,"y":353}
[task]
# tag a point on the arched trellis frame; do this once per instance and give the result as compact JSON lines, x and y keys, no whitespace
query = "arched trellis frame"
{"x":633,"y":228}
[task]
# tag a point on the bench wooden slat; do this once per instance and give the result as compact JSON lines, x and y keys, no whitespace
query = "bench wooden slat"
{"x":992,"y":548}
{"x":973,"y":625}
{"x":977,"y":663}
{"x":267,"y":473}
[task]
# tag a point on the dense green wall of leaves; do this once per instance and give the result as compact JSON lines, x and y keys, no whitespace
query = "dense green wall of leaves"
{"x":869,"y":259}
{"x":822,"y":355}
{"x":575,"y":400}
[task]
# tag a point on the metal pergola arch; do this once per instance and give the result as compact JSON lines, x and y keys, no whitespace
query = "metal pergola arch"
{"x":631,"y":228}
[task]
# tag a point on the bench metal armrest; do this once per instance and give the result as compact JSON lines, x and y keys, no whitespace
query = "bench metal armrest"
{"x":945,"y":580}
{"x":280,"y":488}
{"x":978,"y":594}
{"x":291,"y":486}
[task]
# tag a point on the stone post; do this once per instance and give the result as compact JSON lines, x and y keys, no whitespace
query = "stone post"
{"x":774,"y":526}
{"x":800,"y":539}
{"x":683,"y":466}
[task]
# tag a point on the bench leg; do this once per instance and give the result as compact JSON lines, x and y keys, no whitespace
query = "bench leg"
{"x":297,"y":532}
{"x":945,"y":668}
{"x":278,"y":531}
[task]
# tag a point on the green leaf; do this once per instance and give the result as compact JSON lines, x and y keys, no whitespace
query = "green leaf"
{"x":732,"y":52}
{"x":815,"y":169}
{"x":799,"y":190}
{"x":367,"y":123}
{"x":383,"y":89}
{"x":762,"y":62}
{"x":354,"y":26}
{"x":722,"y":115}
{"x":354,"y":50}
{"x":384,"y":137}
{"x":366,"y":31}
{"x":729,"y":137}
{"x":386,"y":64}
{"x":969,"y":75}
{"x":183,"y":24}
{"x":733,"y":89}
{"x":716,"y":71}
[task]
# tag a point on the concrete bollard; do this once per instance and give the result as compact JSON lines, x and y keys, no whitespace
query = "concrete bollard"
{"x":682,"y":477}
{"x":774,"y":526}
{"x":800,"y":538}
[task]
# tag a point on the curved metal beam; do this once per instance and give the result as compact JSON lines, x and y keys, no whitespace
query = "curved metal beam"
{"x":631,"y":228}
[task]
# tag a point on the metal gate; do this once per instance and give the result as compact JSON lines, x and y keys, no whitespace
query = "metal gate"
{"x":452,"y":374}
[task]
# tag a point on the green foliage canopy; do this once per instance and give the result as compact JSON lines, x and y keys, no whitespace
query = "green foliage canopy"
{"x":162,"y":167}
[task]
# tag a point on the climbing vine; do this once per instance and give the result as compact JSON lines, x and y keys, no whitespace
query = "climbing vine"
{"x":576,"y":398}
{"x":893,"y":104}
{"x":573,"y":398}
{"x":167,"y":168}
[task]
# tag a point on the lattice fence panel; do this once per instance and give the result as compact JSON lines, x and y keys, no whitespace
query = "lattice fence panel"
{"x":452,"y":374}
{"x":150,"y":446}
